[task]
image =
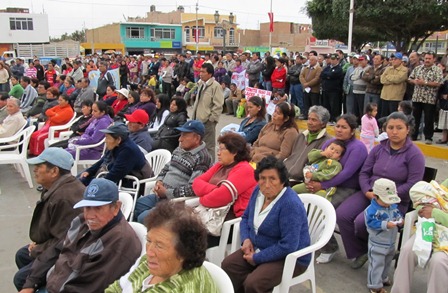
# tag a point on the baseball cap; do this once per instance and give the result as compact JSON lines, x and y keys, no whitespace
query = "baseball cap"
{"x":386,"y":190}
{"x":360,"y":58}
{"x":195,"y":126}
{"x":55,"y":156}
{"x":352,"y":54}
{"x":397,"y":55}
{"x":138,"y":116}
{"x":123,"y":91}
{"x":117,"y":128}
{"x":334,"y":56}
{"x":356,"y":56}
{"x":188,"y":52}
{"x":99,"y":192}
{"x":405,"y":59}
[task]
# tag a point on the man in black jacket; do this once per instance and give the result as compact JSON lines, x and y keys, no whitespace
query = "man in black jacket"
{"x":331,"y":78}
{"x":295,"y":88}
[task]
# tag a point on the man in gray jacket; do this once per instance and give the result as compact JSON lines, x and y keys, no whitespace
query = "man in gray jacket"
{"x":253,"y":69}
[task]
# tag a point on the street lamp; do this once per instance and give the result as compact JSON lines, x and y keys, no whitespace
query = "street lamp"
{"x":224,"y":25}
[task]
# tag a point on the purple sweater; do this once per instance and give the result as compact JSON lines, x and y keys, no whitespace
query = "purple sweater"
{"x":405,"y":168}
{"x":352,"y":160}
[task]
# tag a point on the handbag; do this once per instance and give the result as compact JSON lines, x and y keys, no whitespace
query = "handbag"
{"x":213,"y":218}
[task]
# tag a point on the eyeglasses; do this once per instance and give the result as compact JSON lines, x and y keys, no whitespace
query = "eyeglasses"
{"x":220,"y":149}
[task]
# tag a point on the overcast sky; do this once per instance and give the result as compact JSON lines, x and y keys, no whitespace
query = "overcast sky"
{"x":67,"y":16}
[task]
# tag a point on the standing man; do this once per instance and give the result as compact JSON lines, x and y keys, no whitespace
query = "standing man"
{"x":254,"y":69}
{"x":104,"y":80}
{"x":295,"y":88}
{"x":359,"y":87}
{"x":54,"y":211}
{"x":18,"y":69}
{"x":427,"y":79}
{"x":310,"y":80}
{"x":76,"y":73}
{"x":332,"y":77}
{"x":394,"y":85}
{"x":372,"y":76}
{"x":85,"y":93}
{"x":414,"y":61}
{"x":208,"y":106}
{"x":40,"y":74}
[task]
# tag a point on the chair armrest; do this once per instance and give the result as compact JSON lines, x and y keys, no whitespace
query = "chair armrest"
{"x":65,"y":134}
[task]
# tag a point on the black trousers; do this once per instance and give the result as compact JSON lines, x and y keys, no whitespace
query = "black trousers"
{"x":429,"y":110}
{"x":332,"y":100}
{"x":309,"y":100}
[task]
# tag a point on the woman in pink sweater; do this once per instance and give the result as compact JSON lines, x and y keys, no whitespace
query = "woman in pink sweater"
{"x":230,"y":178}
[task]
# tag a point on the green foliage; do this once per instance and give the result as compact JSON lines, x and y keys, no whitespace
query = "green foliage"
{"x":402,"y":22}
{"x":79,"y":36}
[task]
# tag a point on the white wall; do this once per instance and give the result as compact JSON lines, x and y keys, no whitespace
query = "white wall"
{"x":39,"y":34}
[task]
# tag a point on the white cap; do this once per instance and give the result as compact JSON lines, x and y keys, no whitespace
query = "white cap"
{"x":386,"y":190}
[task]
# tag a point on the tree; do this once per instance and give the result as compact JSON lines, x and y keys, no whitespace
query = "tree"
{"x":406,"y":23}
{"x":79,"y":36}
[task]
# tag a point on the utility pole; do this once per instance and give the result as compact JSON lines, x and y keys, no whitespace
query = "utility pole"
{"x":196,"y":32}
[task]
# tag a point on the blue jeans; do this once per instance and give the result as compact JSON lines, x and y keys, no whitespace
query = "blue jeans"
{"x":296,"y":92}
{"x":350,"y":102}
{"x":372,"y":98}
{"x":268,"y":85}
{"x":24,"y":262}
{"x":143,"y":207}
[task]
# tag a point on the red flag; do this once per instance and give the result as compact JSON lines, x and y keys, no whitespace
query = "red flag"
{"x":196,"y":35}
{"x":271,"y":21}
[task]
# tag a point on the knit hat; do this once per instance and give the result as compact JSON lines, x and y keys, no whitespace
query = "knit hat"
{"x":386,"y":190}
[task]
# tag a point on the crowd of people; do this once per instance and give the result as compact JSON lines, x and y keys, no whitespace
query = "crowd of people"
{"x":259,"y":169}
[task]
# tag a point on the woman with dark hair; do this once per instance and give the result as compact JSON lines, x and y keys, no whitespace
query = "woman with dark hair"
{"x":278,"y":77}
{"x":268,"y":68}
{"x":229,"y":180}
{"x":167,"y":137}
{"x":147,"y":102}
{"x":395,"y":158}
{"x":102,"y":117}
{"x":175,"y":252}
{"x":124,"y":74}
{"x":251,"y":126}
{"x":278,"y":136}
{"x":273,"y":225}
{"x":58,"y":115}
{"x":162,"y":111}
{"x":80,"y":126}
{"x":110,"y":96}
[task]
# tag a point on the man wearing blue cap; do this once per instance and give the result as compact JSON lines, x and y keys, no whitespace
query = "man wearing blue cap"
{"x":100,"y":246}
{"x":190,"y":159}
{"x":54,"y":210}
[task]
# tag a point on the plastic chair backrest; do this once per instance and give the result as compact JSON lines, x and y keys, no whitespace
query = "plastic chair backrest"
{"x":141,"y":232}
{"x":127,"y":202}
{"x":157,"y":159}
{"x":220,"y":277}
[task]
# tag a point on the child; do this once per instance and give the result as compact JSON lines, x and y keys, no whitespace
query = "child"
{"x":152,"y":83}
{"x":369,"y":126}
{"x":382,"y":218}
{"x":323,"y":165}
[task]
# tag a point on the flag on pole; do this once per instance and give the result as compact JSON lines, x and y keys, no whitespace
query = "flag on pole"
{"x":196,"y":35}
{"x":271,"y":21}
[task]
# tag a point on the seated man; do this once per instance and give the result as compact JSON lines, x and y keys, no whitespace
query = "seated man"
{"x":54,"y":211}
{"x":14,"y":121}
{"x":190,"y":159}
{"x":312,"y":138}
{"x":3,"y":100}
{"x":99,"y":248}
{"x":138,"y":130}
{"x":29,"y":95}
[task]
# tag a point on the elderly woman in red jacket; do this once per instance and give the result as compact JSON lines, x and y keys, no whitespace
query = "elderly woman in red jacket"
{"x":231,"y":177}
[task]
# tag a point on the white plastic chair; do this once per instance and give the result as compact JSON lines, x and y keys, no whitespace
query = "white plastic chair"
{"x":127,"y":202}
{"x":141,"y":232}
{"x":15,"y":157}
{"x":157,"y":159}
{"x":220,"y":277}
{"x":53,"y":129}
{"x":217,"y":254}
{"x":85,"y":163}
{"x":321,"y":223}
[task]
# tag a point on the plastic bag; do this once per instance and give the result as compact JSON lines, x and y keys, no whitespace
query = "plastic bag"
{"x":240,"y":111}
{"x":424,"y":236}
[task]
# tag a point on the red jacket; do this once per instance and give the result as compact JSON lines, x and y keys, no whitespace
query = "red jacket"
{"x":241,"y":178}
{"x":278,"y":78}
{"x":118,"y":105}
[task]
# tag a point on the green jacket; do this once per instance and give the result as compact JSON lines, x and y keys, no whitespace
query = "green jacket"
{"x":187,"y":281}
{"x":326,"y":168}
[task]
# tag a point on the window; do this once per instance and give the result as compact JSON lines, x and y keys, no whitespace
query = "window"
{"x":201,"y":31}
{"x":187,"y":33}
{"x":163,"y":33}
{"x":21,"y":24}
{"x":218,"y":33}
{"x":232,"y":36}
{"x":135,"y":32}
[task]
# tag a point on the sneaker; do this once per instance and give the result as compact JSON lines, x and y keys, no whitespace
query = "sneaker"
{"x":325,"y":257}
{"x":359,"y":262}
{"x":380,"y":290}
{"x":428,"y":141}
{"x":40,"y":188}
{"x":387,"y":282}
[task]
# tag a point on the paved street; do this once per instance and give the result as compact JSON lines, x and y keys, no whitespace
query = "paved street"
{"x":17,"y":201}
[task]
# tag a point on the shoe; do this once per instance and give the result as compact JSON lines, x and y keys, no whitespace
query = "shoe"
{"x":380,"y":290}
{"x":387,"y":282}
{"x":359,"y":262}
{"x":442,"y":141}
{"x":325,"y":257}
{"x":40,"y":188}
{"x":428,"y":141}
